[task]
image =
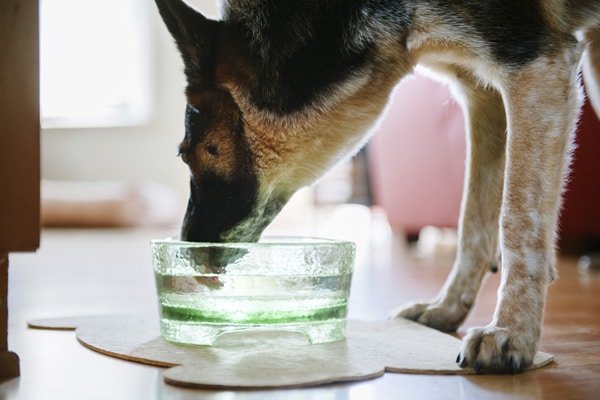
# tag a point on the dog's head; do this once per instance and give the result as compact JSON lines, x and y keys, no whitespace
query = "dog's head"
{"x":247,"y":158}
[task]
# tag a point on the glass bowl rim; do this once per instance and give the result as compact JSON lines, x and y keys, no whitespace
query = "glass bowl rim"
{"x":266,"y":242}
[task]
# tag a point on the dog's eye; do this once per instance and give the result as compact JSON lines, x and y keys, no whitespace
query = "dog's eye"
{"x":212,"y":149}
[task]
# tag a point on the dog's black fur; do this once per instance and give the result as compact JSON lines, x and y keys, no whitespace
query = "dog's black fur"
{"x":279,"y":91}
{"x":300,"y":49}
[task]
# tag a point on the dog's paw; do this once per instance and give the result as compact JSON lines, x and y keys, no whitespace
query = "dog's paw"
{"x":436,"y":315}
{"x":497,"y":350}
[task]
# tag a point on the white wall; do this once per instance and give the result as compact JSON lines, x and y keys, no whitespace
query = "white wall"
{"x":131,"y":154}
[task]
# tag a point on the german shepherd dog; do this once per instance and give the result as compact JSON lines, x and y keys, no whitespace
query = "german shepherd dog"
{"x":279,"y":91}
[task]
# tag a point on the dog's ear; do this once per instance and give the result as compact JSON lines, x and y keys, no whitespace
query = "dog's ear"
{"x":195,"y":36}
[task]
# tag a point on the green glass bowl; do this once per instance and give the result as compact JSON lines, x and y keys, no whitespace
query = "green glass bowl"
{"x":291,"y":284}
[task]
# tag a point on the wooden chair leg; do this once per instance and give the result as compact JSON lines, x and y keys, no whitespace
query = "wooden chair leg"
{"x":9,"y":362}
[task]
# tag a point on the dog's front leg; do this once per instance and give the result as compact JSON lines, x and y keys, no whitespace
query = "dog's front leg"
{"x":543,"y":101}
{"x":478,"y":227}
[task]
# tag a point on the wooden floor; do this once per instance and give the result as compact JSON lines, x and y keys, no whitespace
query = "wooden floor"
{"x":94,"y":272}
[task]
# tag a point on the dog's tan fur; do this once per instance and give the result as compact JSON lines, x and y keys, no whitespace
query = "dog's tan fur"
{"x":311,"y":141}
{"x":520,"y":124}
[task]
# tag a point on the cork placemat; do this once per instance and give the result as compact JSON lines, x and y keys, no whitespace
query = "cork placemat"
{"x":262,"y":360}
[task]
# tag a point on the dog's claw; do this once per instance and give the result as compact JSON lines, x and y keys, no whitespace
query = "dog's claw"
{"x":463,"y":363}
{"x":458,"y":358}
{"x":514,"y":366}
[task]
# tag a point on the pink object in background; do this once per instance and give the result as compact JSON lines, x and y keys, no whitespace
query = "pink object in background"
{"x":580,"y":217}
{"x":417,"y":157}
{"x":417,"y":161}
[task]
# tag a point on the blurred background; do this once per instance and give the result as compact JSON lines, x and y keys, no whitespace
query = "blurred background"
{"x":112,"y":109}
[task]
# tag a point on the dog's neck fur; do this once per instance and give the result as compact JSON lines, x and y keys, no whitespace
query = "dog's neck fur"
{"x":295,"y":90}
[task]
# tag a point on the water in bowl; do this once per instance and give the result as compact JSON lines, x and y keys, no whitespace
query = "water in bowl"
{"x":194,"y":311}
